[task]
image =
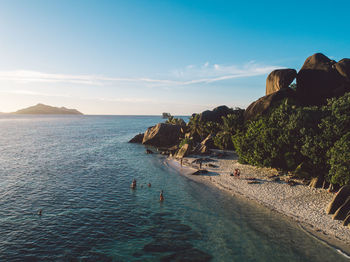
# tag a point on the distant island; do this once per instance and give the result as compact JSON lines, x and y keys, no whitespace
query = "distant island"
{"x":41,"y":109}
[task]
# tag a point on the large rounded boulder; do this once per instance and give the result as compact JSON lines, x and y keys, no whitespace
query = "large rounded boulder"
{"x":343,"y":68}
{"x":338,"y":200}
{"x":343,"y":211}
{"x":263,"y":104}
{"x":137,"y":139}
{"x":318,"y":80}
{"x":216,"y":114}
{"x":279,"y":79}
{"x":162,"y":135}
{"x":183,"y":151}
{"x":205,"y":146}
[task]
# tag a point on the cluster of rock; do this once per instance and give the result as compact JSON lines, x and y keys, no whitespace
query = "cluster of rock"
{"x":216,"y":114}
{"x":166,"y":136}
{"x":340,"y":206}
{"x":319,"y":79}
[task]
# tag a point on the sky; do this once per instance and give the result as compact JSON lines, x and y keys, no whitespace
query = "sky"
{"x":146,"y":57}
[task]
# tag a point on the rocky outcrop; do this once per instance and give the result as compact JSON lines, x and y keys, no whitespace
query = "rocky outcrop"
{"x":319,"y":79}
{"x":338,"y":200}
{"x":205,"y":146}
{"x":137,"y":139}
{"x":162,"y":135}
{"x":215,"y":114}
{"x":346,"y":221}
{"x":183,"y":151}
{"x":279,"y":79}
{"x":343,"y":68}
{"x":316,"y":182}
{"x":343,"y":211}
{"x":264,"y":103}
{"x":148,"y":151}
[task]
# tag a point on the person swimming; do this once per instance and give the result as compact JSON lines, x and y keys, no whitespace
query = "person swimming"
{"x":161,"y":197}
{"x":149,"y":184}
{"x":133,"y":184}
{"x":40,"y":212}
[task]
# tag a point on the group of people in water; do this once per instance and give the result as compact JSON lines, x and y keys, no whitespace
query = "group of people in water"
{"x":133,"y":186}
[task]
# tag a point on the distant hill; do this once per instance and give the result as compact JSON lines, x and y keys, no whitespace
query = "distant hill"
{"x":50,"y":110}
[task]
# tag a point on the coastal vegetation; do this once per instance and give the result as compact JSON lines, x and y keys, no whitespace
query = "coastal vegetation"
{"x":300,"y":127}
{"x":309,"y":140}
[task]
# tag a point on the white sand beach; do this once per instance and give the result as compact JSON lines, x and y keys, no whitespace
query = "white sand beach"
{"x":304,"y":205}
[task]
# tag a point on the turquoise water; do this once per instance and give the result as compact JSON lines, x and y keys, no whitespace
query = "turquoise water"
{"x":78,"y":170}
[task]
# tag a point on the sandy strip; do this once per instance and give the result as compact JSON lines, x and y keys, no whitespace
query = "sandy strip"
{"x":304,"y":205}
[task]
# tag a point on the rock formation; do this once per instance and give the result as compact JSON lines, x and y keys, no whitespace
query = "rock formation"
{"x":279,"y":79}
{"x":183,"y":151}
{"x":316,"y":182}
{"x":343,"y":68}
{"x":263,"y":104}
{"x":320,"y":79}
{"x":162,"y":135}
{"x":338,"y":200}
{"x":216,"y":114}
{"x":203,"y":147}
{"x":137,"y":139}
{"x":343,"y":211}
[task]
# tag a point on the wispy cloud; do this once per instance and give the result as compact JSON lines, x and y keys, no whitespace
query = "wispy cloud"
{"x":35,"y":76}
{"x":189,"y":75}
{"x":209,"y":73}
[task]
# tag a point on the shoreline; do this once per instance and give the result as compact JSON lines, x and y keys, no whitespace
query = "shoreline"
{"x":299,"y":203}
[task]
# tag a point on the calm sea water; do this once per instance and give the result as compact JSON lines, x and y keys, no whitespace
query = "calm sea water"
{"x":78,"y":170}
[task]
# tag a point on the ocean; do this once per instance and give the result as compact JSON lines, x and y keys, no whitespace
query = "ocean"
{"x":78,"y":171}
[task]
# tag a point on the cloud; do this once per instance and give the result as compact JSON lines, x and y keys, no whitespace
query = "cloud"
{"x":208,"y":73}
{"x":189,"y":75}
{"x":26,"y":76}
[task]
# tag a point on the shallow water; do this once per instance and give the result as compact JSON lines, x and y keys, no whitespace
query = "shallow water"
{"x":78,"y":170}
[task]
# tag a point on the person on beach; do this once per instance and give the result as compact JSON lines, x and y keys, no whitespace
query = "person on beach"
{"x":237,"y":172}
{"x":133,"y":184}
{"x":200,"y":164}
{"x":161,"y":197}
{"x":181,"y":160}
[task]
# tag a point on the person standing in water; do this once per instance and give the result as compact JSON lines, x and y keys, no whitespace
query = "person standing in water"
{"x":133,"y":184}
{"x":161,"y":197}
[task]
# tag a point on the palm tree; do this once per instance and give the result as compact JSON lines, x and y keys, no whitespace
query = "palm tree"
{"x":196,"y":127}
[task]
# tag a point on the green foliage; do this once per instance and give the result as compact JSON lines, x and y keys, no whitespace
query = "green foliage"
{"x":196,"y":127}
{"x":340,"y":161}
{"x":313,"y":141}
{"x":210,"y":128}
{"x":231,"y":124}
{"x":276,"y":139}
{"x":175,"y":121}
{"x":186,"y":141}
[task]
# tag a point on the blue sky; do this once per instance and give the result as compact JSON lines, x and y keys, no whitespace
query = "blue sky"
{"x":147,"y":57}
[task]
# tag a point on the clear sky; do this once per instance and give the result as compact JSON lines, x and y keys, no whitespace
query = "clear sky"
{"x":149,"y":57}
